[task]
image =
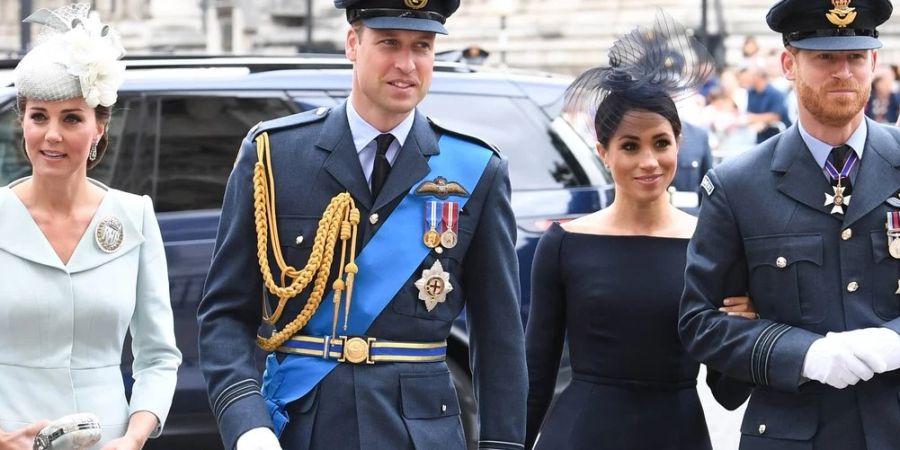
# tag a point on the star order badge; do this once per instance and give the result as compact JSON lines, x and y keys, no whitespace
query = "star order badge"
{"x":434,"y":285}
{"x":109,"y":234}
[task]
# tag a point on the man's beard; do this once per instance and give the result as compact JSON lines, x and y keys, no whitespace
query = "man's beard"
{"x":833,"y":111}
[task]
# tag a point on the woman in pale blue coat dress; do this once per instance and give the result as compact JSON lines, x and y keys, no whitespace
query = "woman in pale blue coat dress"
{"x":82,"y":264}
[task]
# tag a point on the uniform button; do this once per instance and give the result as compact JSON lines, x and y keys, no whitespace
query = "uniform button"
{"x":853,"y":286}
{"x":373,"y":219}
{"x":695,"y":164}
{"x":299,"y":240}
{"x":321,"y":110}
{"x":847,"y":234}
{"x":781,"y":262}
{"x":439,"y":250}
{"x":443,"y":408}
{"x":762,"y":428}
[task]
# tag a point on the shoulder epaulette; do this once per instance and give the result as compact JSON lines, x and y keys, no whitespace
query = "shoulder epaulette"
{"x":313,"y":115}
{"x":465,"y":136}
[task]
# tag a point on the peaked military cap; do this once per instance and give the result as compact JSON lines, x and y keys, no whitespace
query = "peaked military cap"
{"x":418,"y":15}
{"x":829,"y":24}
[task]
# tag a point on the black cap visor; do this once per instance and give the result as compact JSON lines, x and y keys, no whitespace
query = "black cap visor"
{"x":834,"y":39}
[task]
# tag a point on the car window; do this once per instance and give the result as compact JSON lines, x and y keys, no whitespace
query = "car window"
{"x":537,"y":158}
{"x":180,"y":149}
{"x":13,"y":164}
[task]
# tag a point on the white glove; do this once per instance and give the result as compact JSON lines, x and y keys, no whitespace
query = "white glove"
{"x":878,"y":347}
{"x":261,"y":438}
{"x":830,"y":361}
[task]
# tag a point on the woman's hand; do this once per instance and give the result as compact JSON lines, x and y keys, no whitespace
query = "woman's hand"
{"x":739,"y":306}
{"x":124,"y":443}
{"x":21,"y":439}
{"x":141,"y":424}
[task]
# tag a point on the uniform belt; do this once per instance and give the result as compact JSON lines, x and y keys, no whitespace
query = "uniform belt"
{"x":363,"y":349}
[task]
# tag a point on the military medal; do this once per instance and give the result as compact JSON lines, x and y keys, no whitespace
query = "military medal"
{"x":434,"y":285}
{"x":893,"y":233}
{"x":432,"y":238}
{"x":840,"y":198}
{"x":109,"y":234}
{"x":450,"y":215}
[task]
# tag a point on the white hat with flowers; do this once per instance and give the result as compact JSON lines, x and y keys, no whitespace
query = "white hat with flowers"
{"x":77,"y":57}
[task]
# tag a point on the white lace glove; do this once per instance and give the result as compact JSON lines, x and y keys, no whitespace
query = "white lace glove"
{"x":878,"y":347}
{"x":261,"y":438}
{"x":832,"y":362}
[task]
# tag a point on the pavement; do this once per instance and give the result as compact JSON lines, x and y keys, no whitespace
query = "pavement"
{"x":724,"y":426}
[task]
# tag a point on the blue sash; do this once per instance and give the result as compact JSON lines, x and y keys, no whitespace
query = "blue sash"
{"x":398,"y":245}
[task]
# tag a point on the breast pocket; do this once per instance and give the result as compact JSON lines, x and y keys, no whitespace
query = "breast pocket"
{"x":431,"y":411}
{"x":296,"y":236}
{"x":886,"y":278}
{"x":785,"y":276}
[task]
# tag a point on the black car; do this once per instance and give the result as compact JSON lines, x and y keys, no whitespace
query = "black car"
{"x":179,"y":122}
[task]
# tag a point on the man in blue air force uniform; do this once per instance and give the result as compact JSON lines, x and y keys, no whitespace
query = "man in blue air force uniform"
{"x":807,"y":223}
{"x":412,"y":220}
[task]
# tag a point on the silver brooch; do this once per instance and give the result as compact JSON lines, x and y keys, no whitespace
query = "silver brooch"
{"x":109,"y":234}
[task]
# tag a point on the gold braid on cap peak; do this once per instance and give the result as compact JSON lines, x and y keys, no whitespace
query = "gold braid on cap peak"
{"x":340,"y":220}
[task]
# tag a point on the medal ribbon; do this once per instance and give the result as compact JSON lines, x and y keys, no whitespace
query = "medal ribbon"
{"x":893,"y":221}
{"x":449,"y":214}
{"x":845,"y":172}
{"x":432,"y":216}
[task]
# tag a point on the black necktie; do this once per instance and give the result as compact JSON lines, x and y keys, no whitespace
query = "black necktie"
{"x":382,"y":166}
{"x":838,"y":156}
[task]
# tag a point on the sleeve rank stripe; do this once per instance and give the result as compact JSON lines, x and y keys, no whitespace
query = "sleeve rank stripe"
{"x":762,"y":350}
{"x":775,"y":339}
{"x":223,"y":396}
{"x":239,"y":389}
{"x":754,"y":354}
{"x":234,"y":399}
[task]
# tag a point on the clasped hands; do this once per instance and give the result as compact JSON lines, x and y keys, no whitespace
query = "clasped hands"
{"x":843,"y":359}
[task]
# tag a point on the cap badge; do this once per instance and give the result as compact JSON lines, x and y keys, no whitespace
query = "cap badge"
{"x":415,"y":4}
{"x":842,"y":14}
{"x":109,"y":234}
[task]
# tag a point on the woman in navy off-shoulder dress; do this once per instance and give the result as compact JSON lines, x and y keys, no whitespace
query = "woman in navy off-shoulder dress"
{"x":611,"y":281}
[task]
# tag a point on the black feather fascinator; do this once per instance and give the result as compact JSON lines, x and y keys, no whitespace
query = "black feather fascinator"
{"x":663,"y":60}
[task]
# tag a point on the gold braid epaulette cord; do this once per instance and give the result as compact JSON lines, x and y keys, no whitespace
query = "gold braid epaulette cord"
{"x":340,"y":220}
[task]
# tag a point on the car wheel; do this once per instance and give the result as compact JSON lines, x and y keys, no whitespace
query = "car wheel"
{"x":468,"y":408}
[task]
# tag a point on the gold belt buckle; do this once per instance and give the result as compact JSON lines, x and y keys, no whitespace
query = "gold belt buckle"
{"x":356,"y":350}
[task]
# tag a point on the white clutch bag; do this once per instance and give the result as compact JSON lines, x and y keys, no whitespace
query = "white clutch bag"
{"x":73,"y":432}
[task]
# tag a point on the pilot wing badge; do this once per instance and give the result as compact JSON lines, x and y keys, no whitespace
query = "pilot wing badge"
{"x":441,"y":188}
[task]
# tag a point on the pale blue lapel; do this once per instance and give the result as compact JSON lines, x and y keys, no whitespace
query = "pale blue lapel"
{"x":20,"y":235}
